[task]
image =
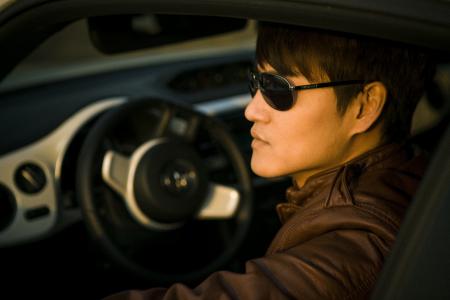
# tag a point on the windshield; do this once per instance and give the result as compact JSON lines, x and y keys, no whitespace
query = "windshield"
{"x":70,"y":53}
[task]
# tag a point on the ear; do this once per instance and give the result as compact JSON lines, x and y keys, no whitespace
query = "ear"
{"x":368,"y":106}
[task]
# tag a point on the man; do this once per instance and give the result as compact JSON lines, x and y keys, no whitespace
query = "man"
{"x":333,"y":112}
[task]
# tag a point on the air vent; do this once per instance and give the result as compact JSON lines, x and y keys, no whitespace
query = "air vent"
{"x":30,"y":178}
{"x":212,"y":77}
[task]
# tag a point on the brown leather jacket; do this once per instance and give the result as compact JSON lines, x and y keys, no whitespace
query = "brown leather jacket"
{"x":337,"y":231}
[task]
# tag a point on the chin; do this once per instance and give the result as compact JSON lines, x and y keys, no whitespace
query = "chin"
{"x":265,"y":169}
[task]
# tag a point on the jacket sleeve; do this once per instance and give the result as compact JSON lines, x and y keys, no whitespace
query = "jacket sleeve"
{"x":337,"y":265}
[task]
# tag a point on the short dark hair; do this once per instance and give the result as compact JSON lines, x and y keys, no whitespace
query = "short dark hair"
{"x":323,"y":55}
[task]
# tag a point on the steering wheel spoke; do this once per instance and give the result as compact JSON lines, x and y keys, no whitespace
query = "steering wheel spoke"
{"x":175,"y":121}
{"x":222,"y":202}
{"x":167,"y":113}
{"x":192,"y":128}
{"x":115,"y":169}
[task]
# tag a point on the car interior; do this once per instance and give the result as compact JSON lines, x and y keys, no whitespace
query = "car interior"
{"x":82,"y":96}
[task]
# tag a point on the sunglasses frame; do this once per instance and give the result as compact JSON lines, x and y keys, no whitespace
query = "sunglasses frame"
{"x":255,"y":76}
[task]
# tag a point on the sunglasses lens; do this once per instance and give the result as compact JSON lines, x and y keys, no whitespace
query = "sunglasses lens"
{"x":276,"y":91}
{"x":252,"y":86}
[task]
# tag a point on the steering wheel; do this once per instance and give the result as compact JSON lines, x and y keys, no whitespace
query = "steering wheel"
{"x":164,"y":190}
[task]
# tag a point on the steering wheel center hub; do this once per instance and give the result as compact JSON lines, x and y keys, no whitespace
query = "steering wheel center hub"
{"x":169,"y":181}
{"x":179,"y":177}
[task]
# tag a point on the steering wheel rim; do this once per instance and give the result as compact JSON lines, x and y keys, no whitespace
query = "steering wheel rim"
{"x":86,"y":174}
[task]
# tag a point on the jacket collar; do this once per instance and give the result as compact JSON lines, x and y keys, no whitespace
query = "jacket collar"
{"x":326,"y":182}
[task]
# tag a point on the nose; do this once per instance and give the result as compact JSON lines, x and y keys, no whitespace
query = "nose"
{"x":256,"y":110}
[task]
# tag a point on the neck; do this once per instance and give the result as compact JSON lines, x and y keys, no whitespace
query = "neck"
{"x":357,"y":146}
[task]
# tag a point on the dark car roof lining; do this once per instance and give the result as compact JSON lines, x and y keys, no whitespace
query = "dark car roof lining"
{"x":435,"y":12}
{"x":385,"y":20}
{"x":419,"y":22}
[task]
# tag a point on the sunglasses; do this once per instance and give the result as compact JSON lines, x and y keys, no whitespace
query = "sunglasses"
{"x":279,"y":92}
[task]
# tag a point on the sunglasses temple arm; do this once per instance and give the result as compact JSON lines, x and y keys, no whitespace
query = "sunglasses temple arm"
{"x":327,"y":84}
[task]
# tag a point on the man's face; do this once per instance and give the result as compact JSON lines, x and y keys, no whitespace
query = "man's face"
{"x":309,"y":137}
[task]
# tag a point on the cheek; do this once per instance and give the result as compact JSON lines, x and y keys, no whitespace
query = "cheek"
{"x":315,"y":140}
{"x":314,"y":128}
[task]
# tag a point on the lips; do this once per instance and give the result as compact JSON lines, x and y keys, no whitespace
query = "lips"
{"x":257,"y":137}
